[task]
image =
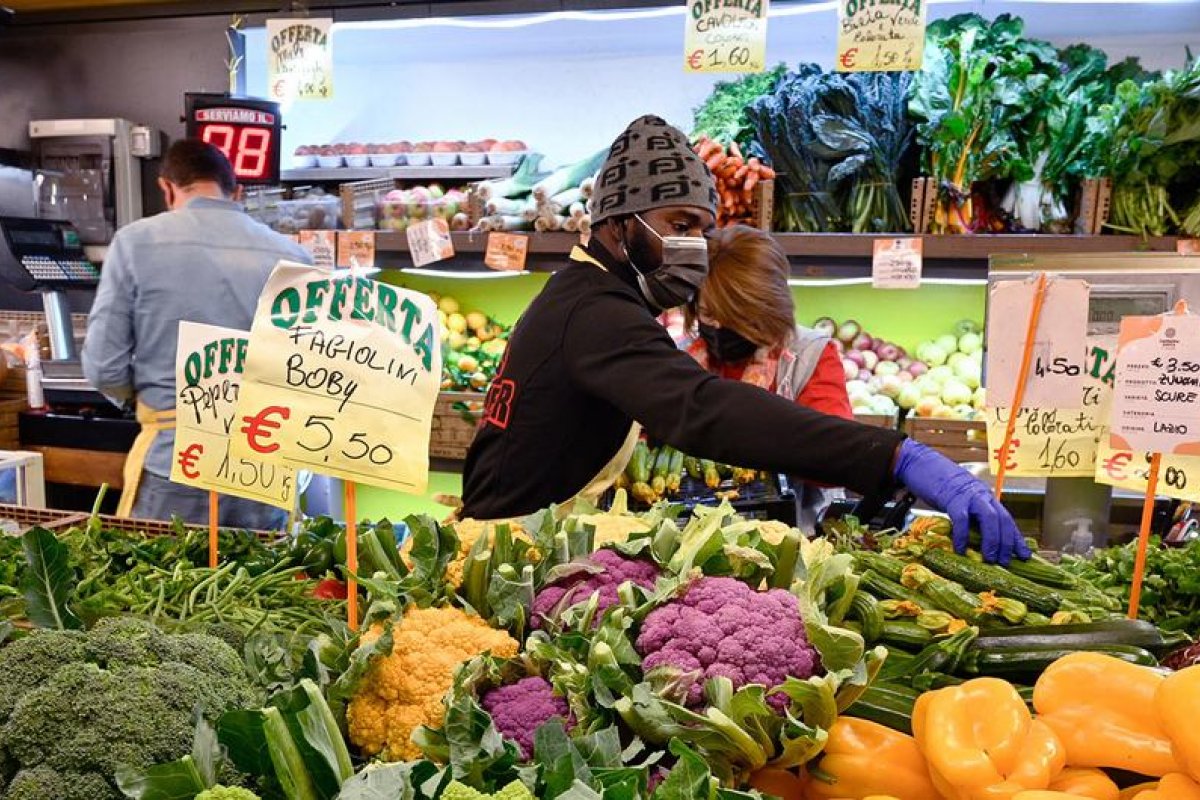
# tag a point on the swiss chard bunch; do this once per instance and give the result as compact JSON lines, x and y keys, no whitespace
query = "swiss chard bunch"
{"x":979,"y":83}
{"x":722,"y":116}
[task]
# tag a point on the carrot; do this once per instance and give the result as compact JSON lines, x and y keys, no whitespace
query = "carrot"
{"x":714,"y":161}
{"x":735,"y":150}
{"x":740,"y":175}
{"x":755,"y":162}
{"x":707,"y":150}
{"x":767,"y":174}
{"x":751,"y":181}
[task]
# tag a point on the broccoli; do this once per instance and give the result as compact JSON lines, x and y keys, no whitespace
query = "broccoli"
{"x":122,"y":694}
{"x":227,"y":793}
{"x":614,"y":570}
{"x":459,"y":791}
{"x":520,"y":708}
{"x":722,"y":627}
{"x":43,"y":783}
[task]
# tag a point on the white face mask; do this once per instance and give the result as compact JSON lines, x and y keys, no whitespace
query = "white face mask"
{"x":684,"y":267}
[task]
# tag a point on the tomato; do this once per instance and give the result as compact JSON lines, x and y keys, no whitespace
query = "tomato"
{"x":330,"y":589}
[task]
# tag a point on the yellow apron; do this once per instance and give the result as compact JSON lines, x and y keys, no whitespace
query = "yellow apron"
{"x":602,"y":481}
{"x":153,"y":423}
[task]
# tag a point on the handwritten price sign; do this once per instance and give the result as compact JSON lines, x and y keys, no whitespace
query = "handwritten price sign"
{"x":1156,"y":405}
{"x":208,"y":374}
{"x":321,"y":245}
{"x":896,"y":263}
{"x":880,"y":38}
{"x":506,"y":252}
{"x":341,"y":378}
{"x":1179,"y":476}
{"x":430,"y":241}
{"x":300,"y":59}
{"x":725,"y":37}
{"x":356,"y":248}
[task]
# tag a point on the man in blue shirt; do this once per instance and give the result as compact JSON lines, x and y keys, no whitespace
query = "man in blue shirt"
{"x":205,"y":260}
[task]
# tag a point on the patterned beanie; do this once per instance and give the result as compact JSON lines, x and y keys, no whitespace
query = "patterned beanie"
{"x":651,"y":165}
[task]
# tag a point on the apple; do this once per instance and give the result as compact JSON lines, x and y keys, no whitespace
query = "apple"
{"x":888,"y":351}
{"x":943,"y":411}
{"x":890,"y":386}
{"x":964,"y":412}
{"x":825,"y":326}
{"x":850,"y":368}
{"x":965,"y":326}
{"x":865,"y":375}
{"x":969,"y":343}
{"x":905,"y":376}
{"x":936,"y":355}
{"x":905,"y":362}
{"x":957,"y":358}
{"x":956,"y":393}
{"x":909,"y":396}
{"x":857,"y":357}
{"x":856,"y":389}
{"x":926,"y":406}
{"x":928,"y":386}
{"x":882,"y":404}
{"x":922,"y":348}
{"x":885,"y":368}
{"x":917,"y":368}
{"x":948,"y":342}
{"x":941,"y":373}
{"x":847,"y":331}
{"x":979,"y":399}
{"x":875,"y":384}
{"x":969,"y":373}
{"x":870,"y":360}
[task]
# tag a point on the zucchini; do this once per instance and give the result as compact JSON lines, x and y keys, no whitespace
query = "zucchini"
{"x":888,"y":567}
{"x":639,"y":464}
{"x":908,"y":635}
{"x":712,"y":478}
{"x":675,"y":472}
{"x":1031,"y":661}
{"x":885,"y":589}
{"x":1127,"y":632}
{"x":944,"y":593}
{"x":1034,"y":619}
{"x":658,"y":473}
{"x":1041,"y":571}
{"x":865,"y":609}
{"x":1091,"y":598}
{"x":691,"y":465}
{"x":988,"y":578}
{"x":942,"y":655}
{"x":890,"y":705}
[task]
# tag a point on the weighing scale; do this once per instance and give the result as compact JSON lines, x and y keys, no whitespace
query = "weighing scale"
{"x":46,"y":256}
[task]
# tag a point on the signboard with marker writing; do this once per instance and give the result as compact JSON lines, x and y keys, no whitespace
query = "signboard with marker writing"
{"x":1156,"y":401}
{"x":880,"y":37}
{"x":300,"y":58}
{"x":726,"y":36}
{"x":341,"y":378}
{"x":208,"y":378}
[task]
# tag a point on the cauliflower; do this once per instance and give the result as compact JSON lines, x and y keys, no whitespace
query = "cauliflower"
{"x":468,"y":530}
{"x":122,"y":694}
{"x":722,"y":627}
{"x":460,"y":791}
{"x":617,"y":569}
{"x":403,"y":691}
{"x":520,"y":708}
{"x":227,"y":793}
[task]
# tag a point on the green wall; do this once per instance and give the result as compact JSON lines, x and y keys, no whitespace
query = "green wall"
{"x":905,"y":317}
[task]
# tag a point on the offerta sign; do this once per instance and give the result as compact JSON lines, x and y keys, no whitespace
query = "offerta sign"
{"x":341,"y":377}
{"x":299,"y":59}
{"x":880,"y":37}
{"x":726,"y":36}
{"x":208,"y":378}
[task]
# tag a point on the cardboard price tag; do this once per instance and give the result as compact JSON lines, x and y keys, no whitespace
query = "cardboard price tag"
{"x":1188,"y":247}
{"x":1156,"y":404}
{"x":208,"y":377}
{"x":896,"y":263}
{"x":341,"y":378}
{"x":1180,"y":476}
{"x":725,"y":37}
{"x":1056,"y":373}
{"x":872,"y":38}
{"x":300,"y":58}
{"x":322,"y":245}
{"x":506,"y":252}
{"x":356,"y":248}
{"x":430,"y":241}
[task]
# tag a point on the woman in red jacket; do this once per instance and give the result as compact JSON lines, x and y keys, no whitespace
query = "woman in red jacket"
{"x":745,"y":319}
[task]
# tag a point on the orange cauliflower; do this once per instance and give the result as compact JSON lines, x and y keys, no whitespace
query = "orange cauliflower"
{"x":404,"y":690}
{"x":468,"y":531}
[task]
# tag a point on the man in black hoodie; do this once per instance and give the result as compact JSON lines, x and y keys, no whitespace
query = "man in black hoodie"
{"x":588,"y":359}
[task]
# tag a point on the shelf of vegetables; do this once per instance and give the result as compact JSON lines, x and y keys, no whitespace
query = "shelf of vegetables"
{"x":597,"y":655}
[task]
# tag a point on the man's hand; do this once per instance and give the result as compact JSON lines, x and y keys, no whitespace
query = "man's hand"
{"x":945,"y":485}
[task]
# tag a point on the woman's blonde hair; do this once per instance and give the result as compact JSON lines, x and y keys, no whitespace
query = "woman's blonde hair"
{"x":747,"y":286}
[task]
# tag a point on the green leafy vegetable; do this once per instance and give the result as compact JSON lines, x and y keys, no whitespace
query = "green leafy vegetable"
{"x":48,"y":581}
{"x":722,"y":115}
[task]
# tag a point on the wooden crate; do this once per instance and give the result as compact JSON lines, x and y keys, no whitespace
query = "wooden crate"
{"x":762,"y":205}
{"x":10,"y":410}
{"x":456,"y":417}
{"x":958,"y":440}
{"x":1095,"y":198}
{"x":877,"y":420}
{"x":920,"y":208}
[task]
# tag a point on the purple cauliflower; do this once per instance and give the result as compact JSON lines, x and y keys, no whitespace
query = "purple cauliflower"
{"x":520,"y":708}
{"x":722,"y":627}
{"x":578,"y":588}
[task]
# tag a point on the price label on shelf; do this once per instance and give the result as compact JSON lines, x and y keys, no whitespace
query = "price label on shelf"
{"x":430,"y":241}
{"x":896,"y":263}
{"x":208,"y":377}
{"x":875,"y":38}
{"x":1056,"y":371}
{"x":1179,"y":476}
{"x":1156,"y":401}
{"x":322,"y":246}
{"x":341,"y":377}
{"x":506,"y":252}
{"x":1188,"y":247}
{"x":356,"y":248}
{"x":725,"y":37}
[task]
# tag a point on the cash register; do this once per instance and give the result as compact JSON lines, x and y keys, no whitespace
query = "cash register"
{"x":46,"y":256}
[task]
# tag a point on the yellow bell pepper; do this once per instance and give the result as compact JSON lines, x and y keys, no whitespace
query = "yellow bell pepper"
{"x":1132,"y":792}
{"x":1177,"y":786}
{"x":1178,"y":705}
{"x":1086,"y":782}
{"x":1103,"y":711}
{"x":982,"y":743}
{"x":863,"y":759}
{"x":1046,"y":794}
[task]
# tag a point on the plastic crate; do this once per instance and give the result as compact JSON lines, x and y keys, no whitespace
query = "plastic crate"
{"x":24,"y":518}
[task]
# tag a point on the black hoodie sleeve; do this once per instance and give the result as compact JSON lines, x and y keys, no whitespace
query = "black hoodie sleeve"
{"x":615,"y":350}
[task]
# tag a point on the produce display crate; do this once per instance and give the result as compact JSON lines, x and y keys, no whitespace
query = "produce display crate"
{"x":878,"y":420}
{"x":456,"y":417}
{"x":358,"y":201}
{"x":920,"y":208}
{"x":10,"y":411}
{"x":152,"y":528}
{"x":762,"y":205}
{"x":959,"y":440}
{"x":49,"y":518}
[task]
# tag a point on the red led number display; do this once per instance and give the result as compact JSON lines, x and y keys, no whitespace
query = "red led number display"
{"x":248,"y":149}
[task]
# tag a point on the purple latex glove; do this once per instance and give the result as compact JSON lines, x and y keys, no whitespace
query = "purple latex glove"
{"x":945,"y":485}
